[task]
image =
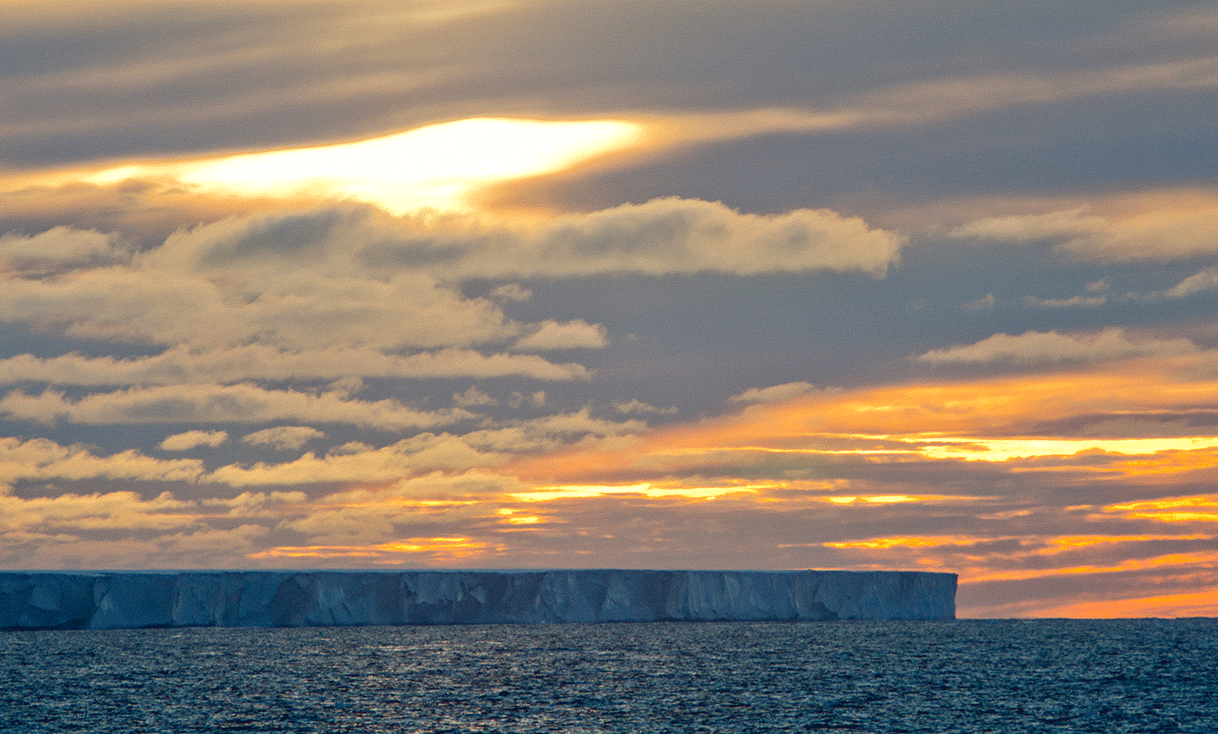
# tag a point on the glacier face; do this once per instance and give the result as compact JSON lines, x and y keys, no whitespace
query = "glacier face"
{"x":112,"y":600}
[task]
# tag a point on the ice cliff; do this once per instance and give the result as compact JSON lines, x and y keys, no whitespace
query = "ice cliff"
{"x":109,"y":600}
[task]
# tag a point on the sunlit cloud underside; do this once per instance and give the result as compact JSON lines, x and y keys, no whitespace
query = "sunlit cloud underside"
{"x":433,"y":167}
{"x":697,"y":308}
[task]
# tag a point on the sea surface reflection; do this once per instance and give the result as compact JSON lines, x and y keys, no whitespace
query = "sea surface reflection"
{"x":957,"y":676}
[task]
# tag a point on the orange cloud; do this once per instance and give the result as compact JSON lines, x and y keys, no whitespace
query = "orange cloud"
{"x":993,"y":420}
{"x":439,"y":549}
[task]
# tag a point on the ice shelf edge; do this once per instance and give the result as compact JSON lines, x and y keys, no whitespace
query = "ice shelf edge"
{"x":132,"y":599}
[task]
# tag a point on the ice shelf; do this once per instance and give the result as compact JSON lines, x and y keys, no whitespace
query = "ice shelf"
{"x":113,"y":600}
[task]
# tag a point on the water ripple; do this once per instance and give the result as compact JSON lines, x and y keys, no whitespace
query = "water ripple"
{"x":961,"y":676}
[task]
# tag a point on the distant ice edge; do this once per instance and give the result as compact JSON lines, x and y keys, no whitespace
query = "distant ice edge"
{"x":118,"y":600}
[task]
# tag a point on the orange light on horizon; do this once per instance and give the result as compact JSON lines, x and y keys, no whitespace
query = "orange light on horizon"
{"x":512,"y":518}
{"x":1176,"y":509}
{"x":455,"y":547}
{"x":1195,"y":604}
{"x":1176,"y":516}
{"x":1069,"y":542}
{"x":885,"y":543}
{"x":883,"y":499}
{"x":1002,"y":449}
{"x":984,"y":420}
{"x":1132,"y":564}
{"x":645,"y":489}
{"x":1165,"y":504}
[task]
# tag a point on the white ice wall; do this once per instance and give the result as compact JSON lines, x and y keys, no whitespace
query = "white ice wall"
{"x":109,"y":600}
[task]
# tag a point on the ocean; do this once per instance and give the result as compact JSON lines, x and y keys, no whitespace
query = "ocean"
{"x":946,"y":676}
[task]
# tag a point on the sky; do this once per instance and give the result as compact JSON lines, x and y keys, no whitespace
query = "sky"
{"x":500,"y":284}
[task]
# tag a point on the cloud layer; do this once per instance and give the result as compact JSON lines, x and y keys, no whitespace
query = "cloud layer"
{"x":923,"y":285}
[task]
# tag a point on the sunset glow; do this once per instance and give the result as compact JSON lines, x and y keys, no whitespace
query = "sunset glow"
{"x":662,"y":285}
{"x":437,"y":166}
{"x":449,"y":549}
{"x":545,"y":494}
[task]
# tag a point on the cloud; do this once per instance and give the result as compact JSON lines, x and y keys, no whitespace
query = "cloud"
{"x":1181,"y":226}
{"x":427,"y":451}
{"x":58,"y":249}
{"x":512,"y":292}
{"x":40,"y":458}
{"x":663,"y":236}
{"x":1072,"y":302}
{"x":295,"y":312}
{"x":536,"y":399}
{"x":688,"y":236}
{"x":936,"y":98}
{"x":981,"y":304}
{"x":473,"y":397}
{"x":284,"y":438}
{"x":1040,"y":347}
{"x":1099,"y":293}
{"x":352,"y":277}
{"x":412,"y":456}
{"x":183,"y":365}
{"x":432,"y":167}
{"x":147,"y":91}
{"x":366,"y":515}
{"x":220,"y":404}
{"x":1080,"y":140}
{"x":99,"y":511}
{"x":1206,"y":280}
{"x":555,"y":335}
{"x":634,"y":405}
{"x":193,"y":439}
{"x":130,"y":546}
{"x":573,"y":424}
{"x":970,"y":94}
{"x":397,"y":71}
{"x":773,"y":393}
{"x":1070,"y":224}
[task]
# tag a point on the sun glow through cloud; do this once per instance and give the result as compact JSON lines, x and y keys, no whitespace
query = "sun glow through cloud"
{"x":645,"y":489}
{"x":441,"y":548}
{"x":992,"y":449}
{"x":437,"y":166}
{"x":485,"y":284}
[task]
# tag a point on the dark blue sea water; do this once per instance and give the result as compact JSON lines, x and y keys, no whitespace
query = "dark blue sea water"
{"x":961,"y":676}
